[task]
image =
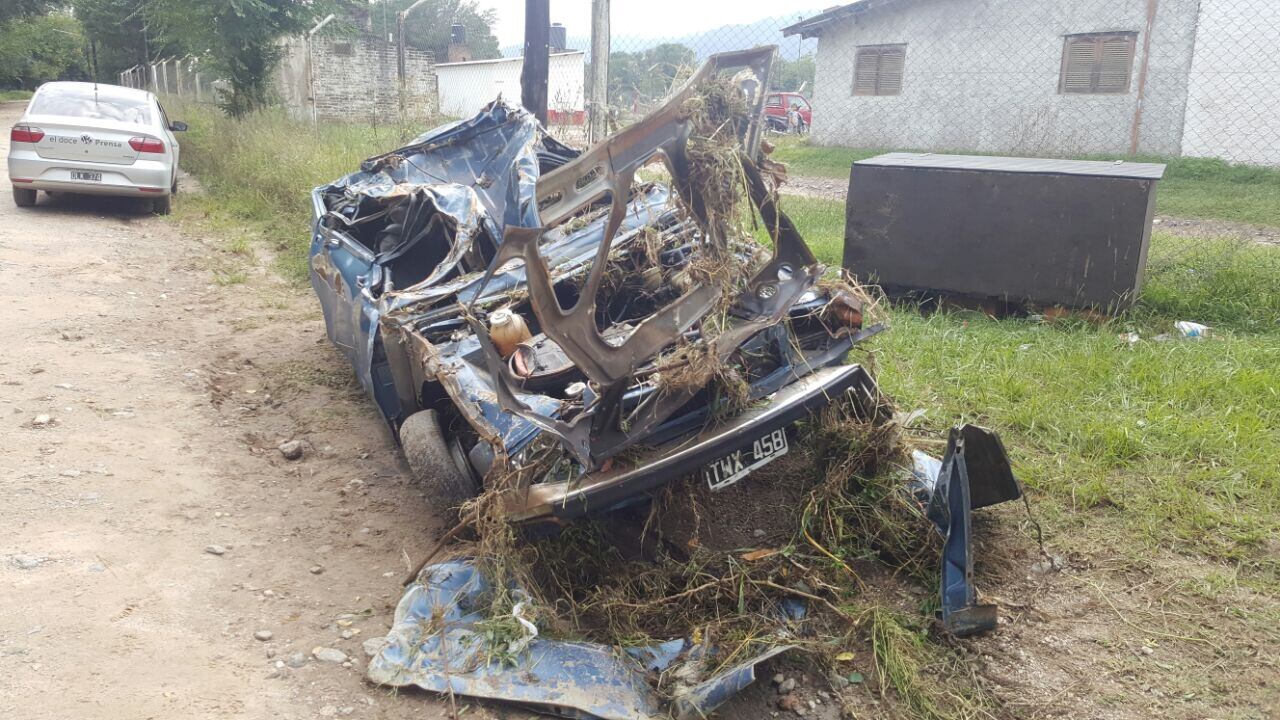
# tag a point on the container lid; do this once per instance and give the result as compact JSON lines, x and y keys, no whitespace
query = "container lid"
{"x":1043,"y":166}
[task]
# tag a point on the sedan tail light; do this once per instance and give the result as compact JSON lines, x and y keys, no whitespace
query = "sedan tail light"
{"x":146,"y":145}
{"x":25,"y":134}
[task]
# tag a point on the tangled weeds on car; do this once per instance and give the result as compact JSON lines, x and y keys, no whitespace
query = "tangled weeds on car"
{"x":560,"y":337}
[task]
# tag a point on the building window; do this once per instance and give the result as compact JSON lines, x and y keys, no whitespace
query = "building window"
{"x":877,"y":69}
{"x":1097,"y":63}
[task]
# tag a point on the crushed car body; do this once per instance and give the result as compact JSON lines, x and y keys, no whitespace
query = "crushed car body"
{"x":531,"y":299}
{"x":581,"y":329}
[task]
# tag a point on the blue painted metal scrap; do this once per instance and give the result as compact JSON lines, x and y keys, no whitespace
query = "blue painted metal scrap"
{"x":438,"y":643}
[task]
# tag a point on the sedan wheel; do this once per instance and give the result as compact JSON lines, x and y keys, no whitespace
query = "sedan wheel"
{"x":163,"y":205}
{"x":24,"y":197}
{"x":431,"y":463}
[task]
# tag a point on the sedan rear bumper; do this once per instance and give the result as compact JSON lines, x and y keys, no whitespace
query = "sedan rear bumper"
{"x":144,"y":178}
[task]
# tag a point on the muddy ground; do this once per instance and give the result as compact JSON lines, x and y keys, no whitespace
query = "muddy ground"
{"x":150,"y":527}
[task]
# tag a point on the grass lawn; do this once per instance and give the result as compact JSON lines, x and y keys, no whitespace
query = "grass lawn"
{"x":14,"y":95}
{"x":1163,"y":443}
{"x":1192,"y":187}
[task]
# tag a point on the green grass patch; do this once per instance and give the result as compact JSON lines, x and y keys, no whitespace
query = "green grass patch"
{"x":1174,"y":440}
{"x":15,"y":95}
{"x":1170,"y":440}
{"x":1192,"y":187}
{"x":258,"y":173}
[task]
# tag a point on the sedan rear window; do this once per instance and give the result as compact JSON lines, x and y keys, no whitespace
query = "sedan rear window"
{"x":74,"y":102}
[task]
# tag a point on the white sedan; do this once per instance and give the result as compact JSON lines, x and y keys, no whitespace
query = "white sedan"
{"x":94,"y":138}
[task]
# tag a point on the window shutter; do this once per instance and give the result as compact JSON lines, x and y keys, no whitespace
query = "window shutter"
{"x":890,"y":79}
{"x":1115,"y":64}
{"x":1097,"y":63}
{"x":866,"y":69}
{"x":1077,"y":67}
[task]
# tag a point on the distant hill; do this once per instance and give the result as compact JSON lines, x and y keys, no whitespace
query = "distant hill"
{"x":726,"y":37}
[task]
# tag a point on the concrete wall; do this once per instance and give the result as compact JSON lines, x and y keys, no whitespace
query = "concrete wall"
{"x":982,"y":75}
{"x":356,"y":79}
{"x":468,"y":86}
{"x":1233,"y":103}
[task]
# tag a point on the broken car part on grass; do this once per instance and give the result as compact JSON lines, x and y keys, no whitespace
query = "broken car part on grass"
{"x":572,"y":333}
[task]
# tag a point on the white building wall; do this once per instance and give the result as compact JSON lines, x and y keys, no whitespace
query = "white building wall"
{"x":982,"y":75}
{"x":466,"y":87}
{"x":1233,"y":99}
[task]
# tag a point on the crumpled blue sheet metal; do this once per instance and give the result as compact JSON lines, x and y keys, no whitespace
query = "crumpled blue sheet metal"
{"x":476,"y":177}
{"x":973,"y":473}
{"x":435,"y":644}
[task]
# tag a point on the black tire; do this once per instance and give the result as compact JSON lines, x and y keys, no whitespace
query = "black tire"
{"x":162,"y":205}
{"x":431,"y":463}
{"x":24,"y":197}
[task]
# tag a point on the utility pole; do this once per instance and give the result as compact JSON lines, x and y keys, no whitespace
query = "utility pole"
{"x":599,"y":81}
{"x":533,"y":73}
{"x":400,"y":48}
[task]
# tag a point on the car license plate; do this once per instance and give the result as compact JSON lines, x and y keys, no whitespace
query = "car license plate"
{"x":738,"y":464}
{"x":86,"y":176}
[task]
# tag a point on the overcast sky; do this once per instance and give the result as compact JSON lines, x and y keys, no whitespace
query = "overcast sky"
{"x":649,"y":18}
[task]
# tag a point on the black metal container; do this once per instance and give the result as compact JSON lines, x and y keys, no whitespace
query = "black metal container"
{"x":1067,"y":232}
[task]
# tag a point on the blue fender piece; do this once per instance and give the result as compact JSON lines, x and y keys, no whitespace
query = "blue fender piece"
{"x":974,"y":473}
{"x":437,"y":643}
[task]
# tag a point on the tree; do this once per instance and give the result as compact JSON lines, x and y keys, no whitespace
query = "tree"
{"x":239,"y":37}
{"x":40,"y":48}
{"x":642,"y":77}
{"x":428,"y":26}
{"x":793,"y":74}
{"x":14,"y":9}
{"x":123,"y":34}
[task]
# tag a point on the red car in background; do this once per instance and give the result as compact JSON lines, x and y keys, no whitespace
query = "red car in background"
{"x":778,"y":104}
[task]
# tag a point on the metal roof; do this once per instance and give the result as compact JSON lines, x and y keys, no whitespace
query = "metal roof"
{"x":1043,"y":166}
{"x":518,"y":58}
{"x":812,"y":26}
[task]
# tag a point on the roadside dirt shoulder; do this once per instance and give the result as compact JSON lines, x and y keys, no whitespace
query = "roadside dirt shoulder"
{"x":151,"y":528}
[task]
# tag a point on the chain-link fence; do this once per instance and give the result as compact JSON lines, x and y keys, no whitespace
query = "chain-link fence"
{"x":181,"y":77}
{"x":1192,"y":83}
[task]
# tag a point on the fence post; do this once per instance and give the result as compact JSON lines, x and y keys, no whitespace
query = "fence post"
{"x":311,"y":83}
{"x":534,"y":68}
{"x":598,"y":97}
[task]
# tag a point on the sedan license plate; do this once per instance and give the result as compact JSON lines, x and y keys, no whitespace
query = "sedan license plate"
{"x":86,"y":176}
{"x":738,"y":464}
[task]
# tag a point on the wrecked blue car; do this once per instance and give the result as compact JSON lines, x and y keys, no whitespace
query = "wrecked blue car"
{"x":578,"y":330}
{"x":501,"y":294}
{"x":574,"y":332}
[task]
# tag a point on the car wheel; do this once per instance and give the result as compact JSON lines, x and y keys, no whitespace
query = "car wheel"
{"x":431,"y":462}
{"x":24,"y":197}
{"x":162,"y":205}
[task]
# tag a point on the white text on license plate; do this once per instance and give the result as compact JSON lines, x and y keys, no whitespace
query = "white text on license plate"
{"x":86,"y":175}
{"x":738,"y":464}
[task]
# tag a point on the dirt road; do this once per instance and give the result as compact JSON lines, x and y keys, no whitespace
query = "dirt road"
{"x":142,"y":406}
